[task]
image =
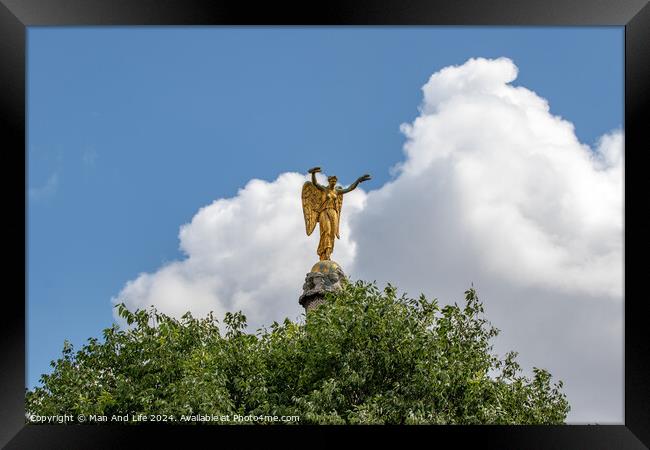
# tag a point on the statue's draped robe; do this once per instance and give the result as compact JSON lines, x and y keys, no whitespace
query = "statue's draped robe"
{"x":328,"y":221}
{"x":322,"y":207}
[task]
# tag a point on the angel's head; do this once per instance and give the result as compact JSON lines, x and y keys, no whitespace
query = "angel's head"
{"x":332,"y":181}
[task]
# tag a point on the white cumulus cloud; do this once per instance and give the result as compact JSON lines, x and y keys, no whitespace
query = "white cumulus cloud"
{"x":247,"y":253}
{"x":494,"y":189}
{"x":515,"y":186}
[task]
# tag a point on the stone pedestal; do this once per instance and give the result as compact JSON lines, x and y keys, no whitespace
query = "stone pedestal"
{"x":325,"y":276}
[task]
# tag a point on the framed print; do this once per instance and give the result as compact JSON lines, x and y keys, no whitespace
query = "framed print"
{"x":486,"y":153}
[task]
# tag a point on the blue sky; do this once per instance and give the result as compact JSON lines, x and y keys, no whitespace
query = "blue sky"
{"x":132,"y":130}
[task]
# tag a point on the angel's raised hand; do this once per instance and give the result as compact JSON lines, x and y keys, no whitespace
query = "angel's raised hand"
{"x":314,"y":170}
{"x":366,"y":177}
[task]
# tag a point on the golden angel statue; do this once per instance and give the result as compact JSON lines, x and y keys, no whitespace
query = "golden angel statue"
{"x":322,"y":205}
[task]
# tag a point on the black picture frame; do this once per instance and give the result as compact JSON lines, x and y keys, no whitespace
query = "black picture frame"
{"x":17,"y":15}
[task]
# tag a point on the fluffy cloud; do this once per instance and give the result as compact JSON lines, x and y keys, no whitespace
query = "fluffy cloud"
{"x":490,"y":171}
{"x":494,"y":189}
{"x":247,"y":253}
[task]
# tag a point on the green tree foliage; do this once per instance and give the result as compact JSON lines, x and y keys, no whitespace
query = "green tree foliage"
{"x":364,"y":357}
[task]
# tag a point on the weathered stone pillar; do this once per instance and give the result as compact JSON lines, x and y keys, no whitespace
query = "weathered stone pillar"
{"x":325,"y":276}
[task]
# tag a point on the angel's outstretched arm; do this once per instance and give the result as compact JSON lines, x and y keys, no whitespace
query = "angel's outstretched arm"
{"x":354,"y":185}
{"x":313,"y":178}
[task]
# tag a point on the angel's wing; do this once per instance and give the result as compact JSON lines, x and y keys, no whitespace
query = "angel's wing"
{"x":339,"y":205}
{"x":312,"y":199}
